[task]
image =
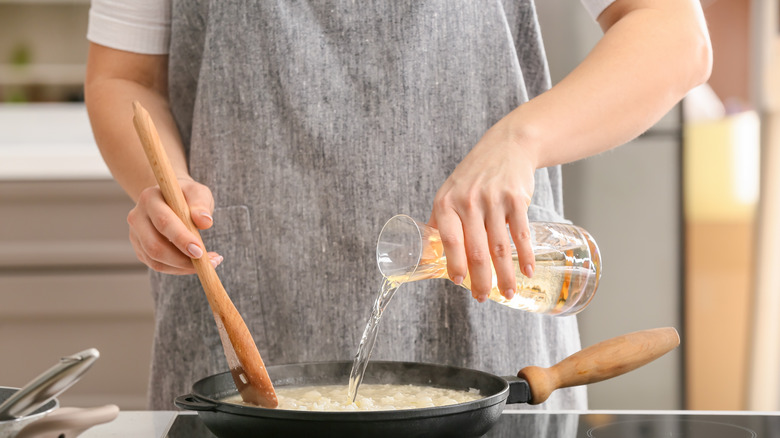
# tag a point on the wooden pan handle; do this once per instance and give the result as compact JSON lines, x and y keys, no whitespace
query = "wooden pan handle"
{"x":601,"y":361}
{"x":245,"y":363}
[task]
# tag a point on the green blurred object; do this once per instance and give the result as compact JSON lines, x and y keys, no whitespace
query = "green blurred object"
{"x":16,"y":95}
{"x":21,"y":55}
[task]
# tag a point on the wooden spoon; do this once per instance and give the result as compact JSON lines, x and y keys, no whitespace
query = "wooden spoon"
{"x":601,"y":361}
{"x":245,"y":363}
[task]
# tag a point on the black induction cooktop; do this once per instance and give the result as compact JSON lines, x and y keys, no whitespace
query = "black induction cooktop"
{"x":515,"y":424}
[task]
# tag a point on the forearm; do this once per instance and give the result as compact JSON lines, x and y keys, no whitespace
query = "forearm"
{"x":646,"y":62}
{"x":109,"y":103}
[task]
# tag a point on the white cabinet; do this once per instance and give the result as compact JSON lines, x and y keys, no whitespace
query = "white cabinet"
{"x":48,"y":142}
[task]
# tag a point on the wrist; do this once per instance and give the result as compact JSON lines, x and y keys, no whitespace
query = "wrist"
{"x":524,"y":137}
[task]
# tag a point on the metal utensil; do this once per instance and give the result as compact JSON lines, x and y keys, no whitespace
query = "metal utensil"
{"x":48,"y":385}
{"x":10,"y":428}
{"x":246,"y":365}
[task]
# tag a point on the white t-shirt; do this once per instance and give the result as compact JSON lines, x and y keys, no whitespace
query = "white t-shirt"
{"x":143,"y":26}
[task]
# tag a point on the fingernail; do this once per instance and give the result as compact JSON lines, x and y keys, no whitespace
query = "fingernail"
{"x":207,"y":216}
{"x":195,"y":251}
{"x":529,"y":271}
{"x":458,"y":280}
{"x":216,"y":261}
{"x":509,"y":294}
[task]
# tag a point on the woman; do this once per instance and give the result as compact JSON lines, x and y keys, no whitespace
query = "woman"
{"x":297,"y":129}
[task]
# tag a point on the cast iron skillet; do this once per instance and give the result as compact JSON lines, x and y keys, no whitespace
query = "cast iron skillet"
{"x":471,"y":419}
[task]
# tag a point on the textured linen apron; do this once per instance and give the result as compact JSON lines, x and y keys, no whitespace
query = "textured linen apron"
{"x":313,"y":123}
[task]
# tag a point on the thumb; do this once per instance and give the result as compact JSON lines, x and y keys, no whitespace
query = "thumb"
{"x":201,"y":203}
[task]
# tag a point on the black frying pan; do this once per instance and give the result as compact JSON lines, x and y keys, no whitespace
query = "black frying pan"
{"x":471,"y":419}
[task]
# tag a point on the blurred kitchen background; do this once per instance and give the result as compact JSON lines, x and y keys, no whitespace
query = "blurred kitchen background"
{"x":686,"y":217}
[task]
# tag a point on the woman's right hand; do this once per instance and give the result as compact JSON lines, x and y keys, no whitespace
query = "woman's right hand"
{"x":115,"y":79}
{"x":160,"y":239}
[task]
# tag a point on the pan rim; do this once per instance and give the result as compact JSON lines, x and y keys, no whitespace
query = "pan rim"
{"x":219,"y":405}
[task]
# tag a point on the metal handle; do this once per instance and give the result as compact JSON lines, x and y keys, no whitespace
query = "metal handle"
{"x":519,"y":391}
{"x":192,"y":403}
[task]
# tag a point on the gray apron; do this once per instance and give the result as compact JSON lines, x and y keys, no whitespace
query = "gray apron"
{"x":313,"y":122}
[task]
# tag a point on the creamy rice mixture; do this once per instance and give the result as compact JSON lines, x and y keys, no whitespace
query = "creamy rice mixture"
{"x":371,"y":397}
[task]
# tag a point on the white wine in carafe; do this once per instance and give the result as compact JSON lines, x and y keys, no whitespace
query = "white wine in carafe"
{"x":568,"y":264}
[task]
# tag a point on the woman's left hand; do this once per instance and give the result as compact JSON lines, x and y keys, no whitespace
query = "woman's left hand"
{"x":490,"y":189}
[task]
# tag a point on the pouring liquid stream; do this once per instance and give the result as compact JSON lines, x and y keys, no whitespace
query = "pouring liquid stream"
{"x":386,"y":292}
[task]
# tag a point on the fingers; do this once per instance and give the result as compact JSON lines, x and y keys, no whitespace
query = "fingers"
{"x":520,"y":230}
{"x":161,"y":240}
{"x":474,"y":247}
{"x":451,"y":232}
{"x":143,"y":256}
{"x":478,"y":257}
{"x":488,"y":191}
{"x":201,"y":203}
{"x":202,"y":219}
{"x":501,"y":254}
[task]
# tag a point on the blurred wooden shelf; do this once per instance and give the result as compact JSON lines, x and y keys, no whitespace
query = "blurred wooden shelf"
{"x":44,"y":2}
{"x":42,"y":74}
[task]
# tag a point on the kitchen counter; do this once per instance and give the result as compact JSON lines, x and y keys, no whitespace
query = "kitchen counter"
{"x":513,"y":423}
{"x":135,"y":424}
{"x":48,"y":141}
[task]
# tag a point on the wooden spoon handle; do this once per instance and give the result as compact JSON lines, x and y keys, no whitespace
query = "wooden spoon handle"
{"x":241,"y":352}
{"x":174,"y":197}
{"x":601,"y":361}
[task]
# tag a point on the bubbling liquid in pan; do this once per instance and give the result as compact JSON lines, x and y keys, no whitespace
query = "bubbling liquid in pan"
{"x":372,"y":397}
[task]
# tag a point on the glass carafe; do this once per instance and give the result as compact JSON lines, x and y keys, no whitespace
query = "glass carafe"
{"x":567,"y":273}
